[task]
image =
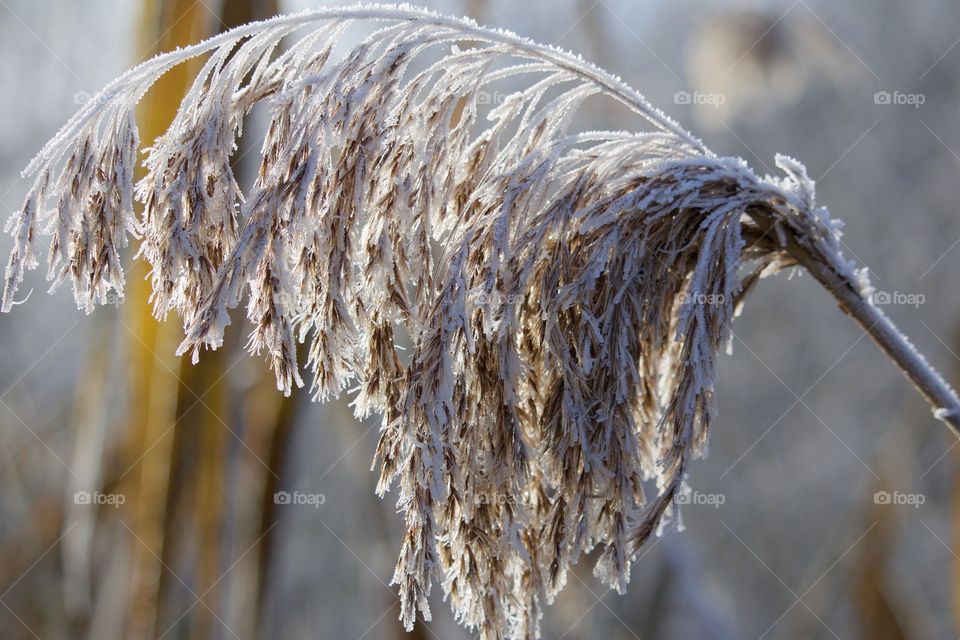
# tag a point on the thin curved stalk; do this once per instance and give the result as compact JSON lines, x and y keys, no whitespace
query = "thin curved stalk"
{"x":885,"y":334}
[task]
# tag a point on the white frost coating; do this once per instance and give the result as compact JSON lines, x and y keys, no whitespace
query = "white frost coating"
{"x":862,"y":284}
{"x":565,"y":340}
{"x":944,"y":414}
{"x":920,"y":358}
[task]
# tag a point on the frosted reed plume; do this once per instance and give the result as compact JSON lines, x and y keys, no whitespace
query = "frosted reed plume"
{"x":565,"y":293}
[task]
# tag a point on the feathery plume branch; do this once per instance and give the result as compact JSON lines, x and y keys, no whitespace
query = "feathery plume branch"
{"x":566,"y":293}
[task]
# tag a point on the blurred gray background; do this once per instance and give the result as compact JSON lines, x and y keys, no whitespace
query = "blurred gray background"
{"x":827,"y":507}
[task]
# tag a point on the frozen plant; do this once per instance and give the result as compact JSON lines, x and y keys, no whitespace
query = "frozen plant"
{"x":565,"y":293}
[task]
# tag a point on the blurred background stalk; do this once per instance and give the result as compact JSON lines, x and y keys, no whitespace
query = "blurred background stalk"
{"x":180,"y":447}
{"x":155,"y":387}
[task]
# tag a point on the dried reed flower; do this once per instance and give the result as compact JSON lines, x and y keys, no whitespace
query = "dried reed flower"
{"x":566,"y":294}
